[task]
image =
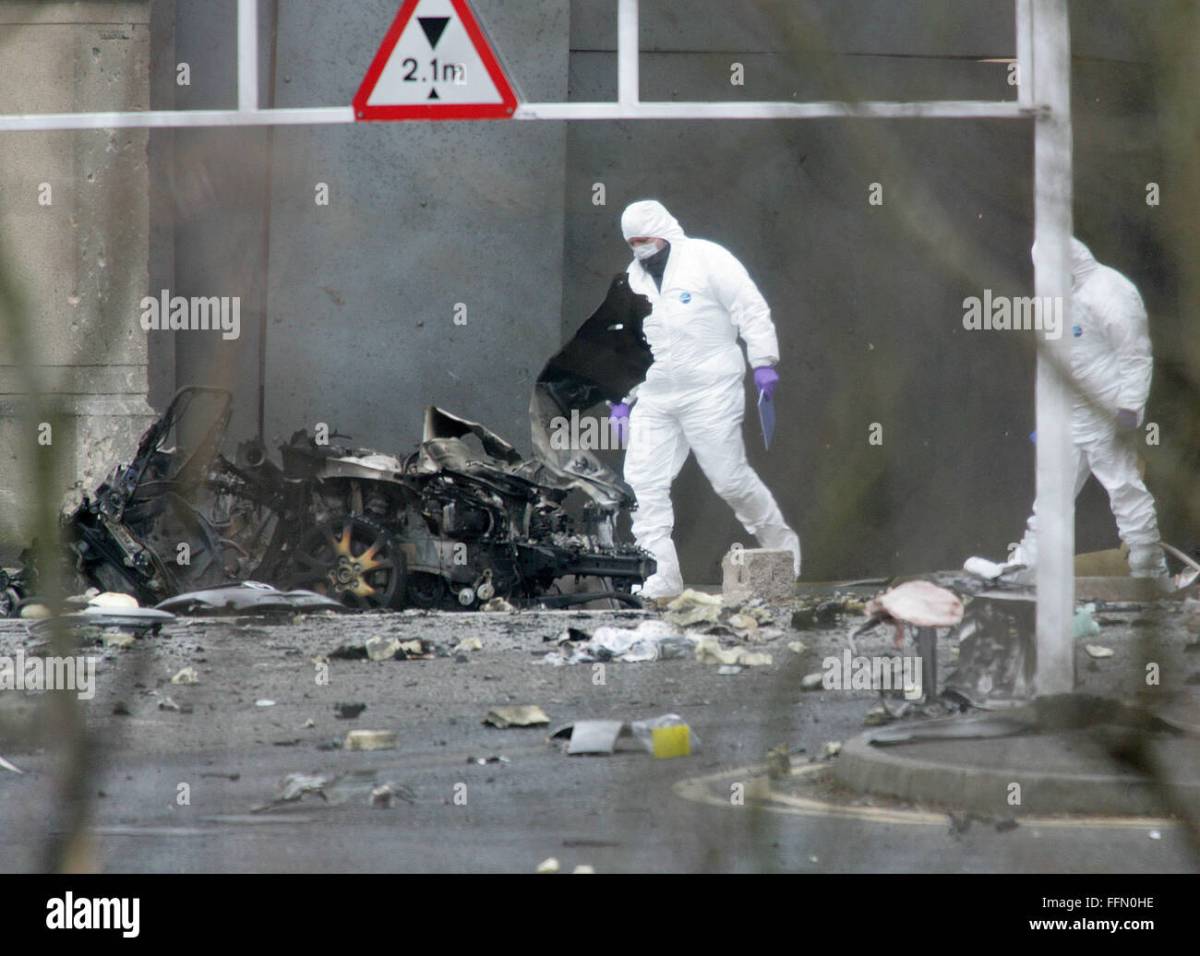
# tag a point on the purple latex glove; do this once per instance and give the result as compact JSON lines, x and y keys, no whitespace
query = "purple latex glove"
{"x":619,"y":414}
{"x":765,"y":380}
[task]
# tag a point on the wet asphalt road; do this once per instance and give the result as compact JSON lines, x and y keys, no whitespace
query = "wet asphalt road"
{"x":176,"y":791}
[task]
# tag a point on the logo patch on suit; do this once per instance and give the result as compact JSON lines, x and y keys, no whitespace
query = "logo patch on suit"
{"x":685,"y":297}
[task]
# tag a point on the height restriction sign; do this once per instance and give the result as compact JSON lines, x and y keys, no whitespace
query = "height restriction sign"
{"x":435,"y":63}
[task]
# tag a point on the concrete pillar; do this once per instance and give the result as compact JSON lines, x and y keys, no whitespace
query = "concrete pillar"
{"x":74,"y":216}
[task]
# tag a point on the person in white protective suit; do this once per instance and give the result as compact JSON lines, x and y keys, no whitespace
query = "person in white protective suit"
{"x":693,"y":398}
{"x":1112,"y":364}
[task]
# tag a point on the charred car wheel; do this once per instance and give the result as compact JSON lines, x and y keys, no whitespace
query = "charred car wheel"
{"x":354,"y":560}
{"x":429,"y":591}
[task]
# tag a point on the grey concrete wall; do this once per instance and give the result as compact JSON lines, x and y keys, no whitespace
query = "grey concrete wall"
{"x":79,"y":260}
{"x":421,"y":217}
{"x":868,"y":300}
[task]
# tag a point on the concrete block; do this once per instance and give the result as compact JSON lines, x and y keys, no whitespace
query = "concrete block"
{"x":758,"y":573}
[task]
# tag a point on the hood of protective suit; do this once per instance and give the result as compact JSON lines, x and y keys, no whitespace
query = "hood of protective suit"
{"x":1083,"y":263}
{"x":649,"y":218}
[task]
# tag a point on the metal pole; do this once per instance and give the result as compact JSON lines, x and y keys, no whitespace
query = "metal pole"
{"x":1051,"y":60}
{"x":627,"y":52}
{"x":1025,"y":52}
{"x":247,"y":46}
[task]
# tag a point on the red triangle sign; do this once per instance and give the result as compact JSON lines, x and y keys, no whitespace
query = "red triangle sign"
{"x":435,"y":63}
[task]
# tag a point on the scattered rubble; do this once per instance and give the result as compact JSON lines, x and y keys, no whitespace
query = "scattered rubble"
{"x":371,"y":740}
{"x":380,"y":649}
{"x":710,"y":651}
{"x":528,"y":715}
{"x":187,"y":675}
{"x":249,"y":597}
{"x":763,"y":573}
{"x":651,"y":640}
{"x":694,"y":607}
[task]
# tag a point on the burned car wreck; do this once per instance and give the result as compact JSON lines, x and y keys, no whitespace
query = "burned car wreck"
{"x":460,"y":521}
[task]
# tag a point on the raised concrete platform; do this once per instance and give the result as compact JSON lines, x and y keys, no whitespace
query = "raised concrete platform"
{"x":1061,"y":772}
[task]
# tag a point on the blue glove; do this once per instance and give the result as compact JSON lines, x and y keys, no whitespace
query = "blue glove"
{"x":765,"y":380}
{"x":619,"y":416}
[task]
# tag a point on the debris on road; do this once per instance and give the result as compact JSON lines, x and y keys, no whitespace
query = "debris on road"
{"x":548,"y":865}
{"x":763,"y":573}
{"x":710,"y":651}
{"x":371,"y":740}
{"x":825,"y":611}
{"x":594,"y":736}
{"x":249,"y":597}
{"x":187,"y":675}
{"x":295,"y":786}
{"x":651,"y":640}
{"x":528,"y":715}
{"x":666,"y":737}
{"x":13,"y":768}
{"x":694,"y":607}
{"x":468,"y":644}
{"x":1098,"y":651}
{"x":110,"y":599}
{"x":813,"y":681}
{"x":797,"y":647}
{"x":997,"y":650}
{"x":1084,"y":624}
{"x":779,"y":763}
{"x":382,"y":796}
{"x":264,"y":702}
{"x":348,"y":711}
{"x":483,"y":761}
{"x":140,"y":620}
{"x":919,"y":603}
{"x":380,"y":649}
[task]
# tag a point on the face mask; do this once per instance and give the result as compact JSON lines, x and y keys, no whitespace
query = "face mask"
{"x":644,"y":250}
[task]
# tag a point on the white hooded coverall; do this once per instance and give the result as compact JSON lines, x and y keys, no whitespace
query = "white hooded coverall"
{"x":693,"y":396}
{"x":1112,"y":364}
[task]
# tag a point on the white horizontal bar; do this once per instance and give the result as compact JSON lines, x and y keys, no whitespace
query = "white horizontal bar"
{"x":167,"y":119}
{"x":176,"y":118}
{"x":947,"y":109}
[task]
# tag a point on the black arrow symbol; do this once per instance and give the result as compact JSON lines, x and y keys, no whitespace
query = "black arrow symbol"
{"x":434,"y":27}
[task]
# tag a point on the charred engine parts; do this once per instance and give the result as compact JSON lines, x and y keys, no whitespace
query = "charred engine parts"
{"x":460,"y":521}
